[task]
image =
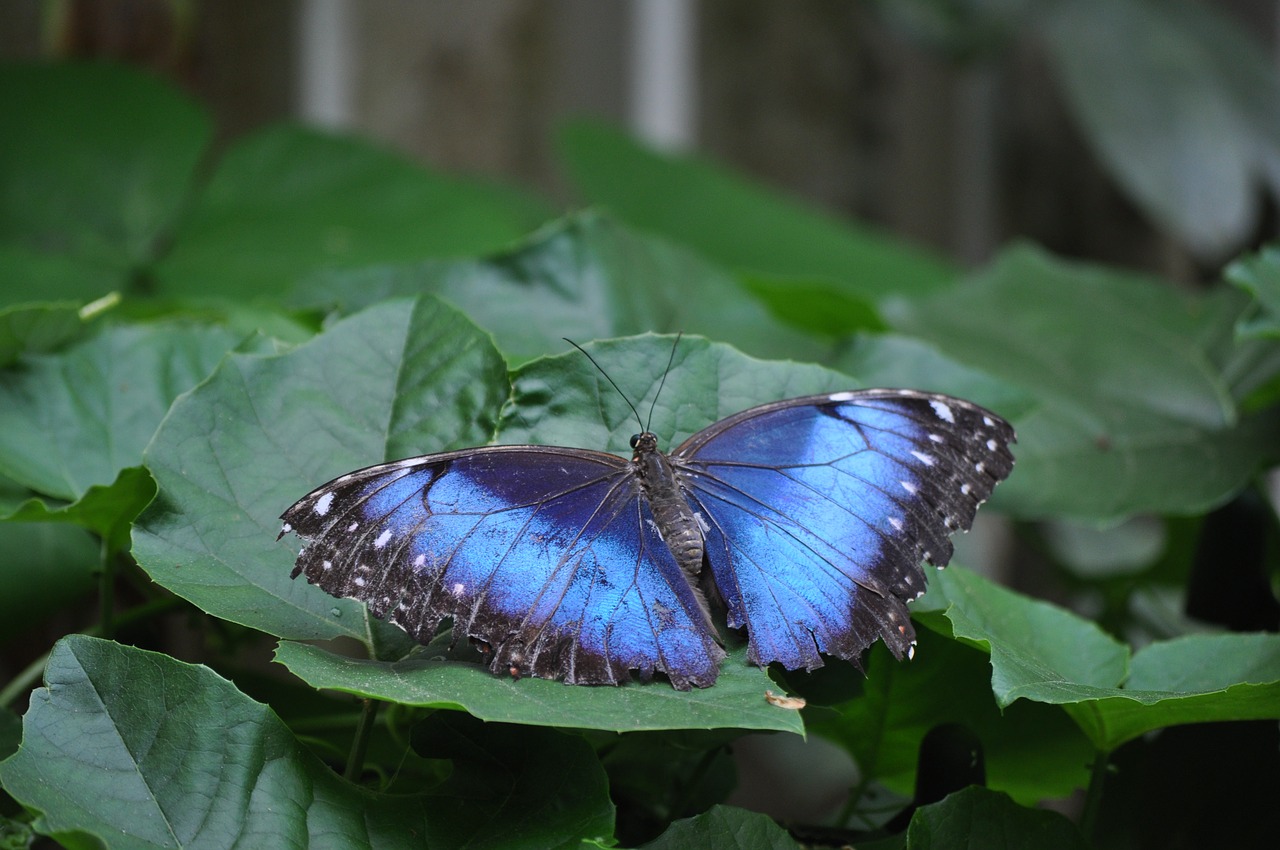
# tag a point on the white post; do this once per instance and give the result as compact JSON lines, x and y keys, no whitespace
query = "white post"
{"x":663,"y":65}
{"x":326,"y":63}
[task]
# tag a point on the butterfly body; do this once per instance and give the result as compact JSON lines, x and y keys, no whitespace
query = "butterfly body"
{"x":809,"y":519}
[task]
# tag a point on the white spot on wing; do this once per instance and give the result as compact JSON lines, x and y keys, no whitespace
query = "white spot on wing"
{"x":927,"y":460}
{"x":909,"y":487}
{"x":353,"y":526}
{"x":841,"y":397}
{"x":323,"y":504}
{"x":420,"y":560}
{"x":937,"y":438}
{"x":896,"y":523}
{"x":986,"y":420}
{"x":991,"y":445}
{"x":943,"y":410}
{"x":382,"y":539}
{"x":328,"y":565}
{"x":457,"y":588}
{"x":286,"y":528}
{"x":358,"y":581}
{"x":965,"y":489}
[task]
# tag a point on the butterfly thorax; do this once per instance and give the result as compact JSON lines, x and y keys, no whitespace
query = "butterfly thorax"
{"x":675,"y":520}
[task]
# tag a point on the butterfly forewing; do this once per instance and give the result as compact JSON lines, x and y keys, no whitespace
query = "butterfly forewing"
{"x":820,"y":510}
{"x":547,"y":556}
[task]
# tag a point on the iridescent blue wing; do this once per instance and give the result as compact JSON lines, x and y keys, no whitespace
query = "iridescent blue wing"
{"x":547,"y":556}
{"x":819,"y":511}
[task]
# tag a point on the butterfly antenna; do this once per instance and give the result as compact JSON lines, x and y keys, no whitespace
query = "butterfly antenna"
{"x":610,"y":380}
{"x":663,"y":382}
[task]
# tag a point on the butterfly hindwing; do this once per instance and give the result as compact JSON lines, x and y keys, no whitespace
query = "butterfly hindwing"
{"x":819,"y":511}
{"x":549,"y":557}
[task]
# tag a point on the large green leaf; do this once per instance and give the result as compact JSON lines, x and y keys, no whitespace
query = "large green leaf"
{"x":564,"y":400}
{"x":95,"y":163}
{"x":288,"y":201}
{"x":977,"y":818}
{"x":399,"y":379}
{"x":1134,"y":415}
{"x":37,"y":328}
{"x":1178,"y":103}
{"x":138,"y":750}
{"x":1032,"y":751}
{"x":77,"y":418}
{"x":433,"y":679}
{"x":725,"y":828}
{"x":106,"y":510}
{"x":1046,"y":654}
{"x":741,"y":225}
{"x":586,"y":277}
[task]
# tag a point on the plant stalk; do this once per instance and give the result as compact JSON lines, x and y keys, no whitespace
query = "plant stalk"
{"x":1093,"y":796}
{"x":107,"y":592}
{"x":360,"y":744}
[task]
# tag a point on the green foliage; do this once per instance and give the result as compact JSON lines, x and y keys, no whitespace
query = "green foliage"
{"x":313,"y":305}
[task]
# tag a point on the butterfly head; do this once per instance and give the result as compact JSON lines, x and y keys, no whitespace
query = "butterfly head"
{"x":643,"y":443}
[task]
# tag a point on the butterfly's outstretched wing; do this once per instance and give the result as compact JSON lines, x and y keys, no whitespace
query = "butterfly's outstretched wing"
{"x":548,"y":556}
{"x":819,"y":511}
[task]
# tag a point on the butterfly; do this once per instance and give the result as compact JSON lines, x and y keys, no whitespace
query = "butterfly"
{"x":804,"y":521}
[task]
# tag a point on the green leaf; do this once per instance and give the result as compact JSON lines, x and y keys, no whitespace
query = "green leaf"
{"x":813,"y":304}
{"x":739,"y":224}
{"x":1032,"y":751}
{"x":1259,"y":275}
{"x":978,"y":818}
{"x":585,"y":277}
{"x":1178,"y":103}
{"x":37,"y":328}
{"x":399,"y":379}
{"x":139,"y":750}
{"x":431,"y":678}
{"x":288,"y":201}
{"x":76,"y":419}
{"x":725,"y":828}
{"x":1134,"y":414}
{"x":95,"y":163}
{"x":894,"y":360}
{"x":108,"y":511}
{"x":1192,"y":679}
{"x":1046,"y":654}
{"x":565,"y":401}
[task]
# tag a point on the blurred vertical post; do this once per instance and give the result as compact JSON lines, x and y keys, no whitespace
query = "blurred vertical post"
{"x":326,"y":64}
{"x":663,"y":64}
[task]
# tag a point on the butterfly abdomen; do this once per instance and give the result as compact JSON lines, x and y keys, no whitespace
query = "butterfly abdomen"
{"x":675,"y":520}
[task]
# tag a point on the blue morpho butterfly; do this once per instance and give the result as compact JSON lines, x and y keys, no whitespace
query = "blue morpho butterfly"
{"x":806,"y":519}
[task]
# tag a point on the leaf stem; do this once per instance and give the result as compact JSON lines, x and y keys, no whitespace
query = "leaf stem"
{"x":360,"y":744}
{"x":1093,"y":796}
{"x":106,"y":591}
